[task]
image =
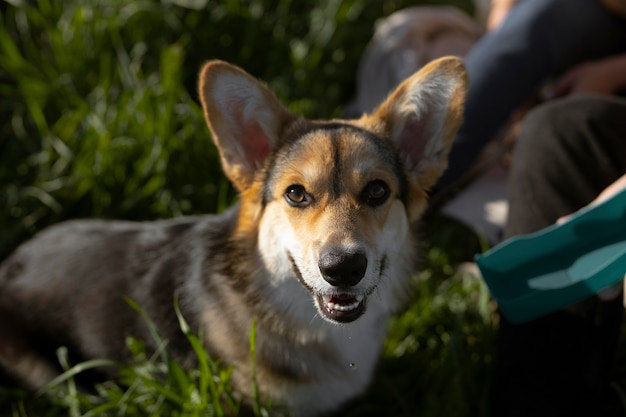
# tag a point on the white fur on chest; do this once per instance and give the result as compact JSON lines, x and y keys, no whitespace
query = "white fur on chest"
{"x":357,"y":347}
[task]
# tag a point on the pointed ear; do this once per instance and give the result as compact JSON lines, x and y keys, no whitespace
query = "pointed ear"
{"x":422,"y":117}
{"x":244,"y":116}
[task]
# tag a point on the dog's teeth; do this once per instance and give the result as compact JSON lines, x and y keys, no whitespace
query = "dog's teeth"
{"x":342,"y":307}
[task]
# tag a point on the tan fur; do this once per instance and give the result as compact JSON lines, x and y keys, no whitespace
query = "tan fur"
{"x":318,"y":252}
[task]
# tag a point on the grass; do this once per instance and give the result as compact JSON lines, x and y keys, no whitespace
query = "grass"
{"x":153,"y":385}
{"x":99,"y":118}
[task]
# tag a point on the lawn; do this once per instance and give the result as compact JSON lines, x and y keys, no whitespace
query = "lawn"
{"x":99,"y":118}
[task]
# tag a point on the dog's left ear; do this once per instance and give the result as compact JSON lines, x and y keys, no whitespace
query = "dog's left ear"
{"x":422,"y":117}
{"x":245,"y":118}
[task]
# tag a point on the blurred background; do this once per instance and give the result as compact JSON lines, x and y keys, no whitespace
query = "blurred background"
{"x":98,"y":107}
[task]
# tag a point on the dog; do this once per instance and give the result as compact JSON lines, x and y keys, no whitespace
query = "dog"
{"x":317,"y":252}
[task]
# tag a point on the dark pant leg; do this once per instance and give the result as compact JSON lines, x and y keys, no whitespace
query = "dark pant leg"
{"x":567,"y":153}
{"x":539,"y":40}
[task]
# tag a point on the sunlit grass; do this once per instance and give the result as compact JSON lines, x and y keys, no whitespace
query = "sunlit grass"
{"x":153,"y":384}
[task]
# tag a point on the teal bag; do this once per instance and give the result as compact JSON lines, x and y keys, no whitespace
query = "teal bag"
{"x":536,"y":274}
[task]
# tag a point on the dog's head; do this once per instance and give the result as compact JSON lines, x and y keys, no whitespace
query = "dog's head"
{"x":333,"y":203}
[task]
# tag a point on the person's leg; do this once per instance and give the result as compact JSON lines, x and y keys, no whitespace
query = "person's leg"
{"x":568,"y":151}
{"x":538,"y":40}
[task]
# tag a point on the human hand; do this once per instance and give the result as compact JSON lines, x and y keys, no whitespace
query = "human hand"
{"x":605,"y":76}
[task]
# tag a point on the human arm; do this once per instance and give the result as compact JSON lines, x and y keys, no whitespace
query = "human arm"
{"x":612,"y":291}
{"x":619,"y":185}
{"x":497,"y":12}
{"x":611,"y":190}
{"x":608,"y":192}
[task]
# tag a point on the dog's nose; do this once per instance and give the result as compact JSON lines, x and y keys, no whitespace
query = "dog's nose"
{"x":342,"y":269}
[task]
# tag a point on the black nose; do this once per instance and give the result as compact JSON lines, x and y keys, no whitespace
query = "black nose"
{"x":342,"y":269}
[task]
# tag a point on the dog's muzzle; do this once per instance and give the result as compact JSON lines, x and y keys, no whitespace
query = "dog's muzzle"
{"x":342,"y":270}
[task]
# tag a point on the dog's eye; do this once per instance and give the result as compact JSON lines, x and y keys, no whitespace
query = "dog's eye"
{"x":375,"y":193}
{"x":297,"y":196}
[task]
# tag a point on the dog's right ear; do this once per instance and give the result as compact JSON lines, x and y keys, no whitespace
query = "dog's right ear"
{"x":244,"y":116}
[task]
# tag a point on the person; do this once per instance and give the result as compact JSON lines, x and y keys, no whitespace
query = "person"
{"x":530,"y":43}
{"x":568,"y":151}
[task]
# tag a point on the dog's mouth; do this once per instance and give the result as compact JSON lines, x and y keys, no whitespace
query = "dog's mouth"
{"x":342,"y":308}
